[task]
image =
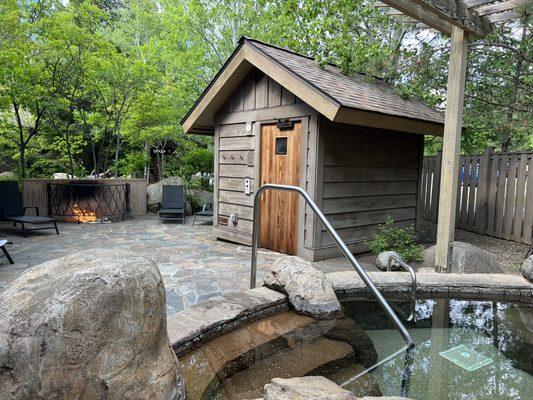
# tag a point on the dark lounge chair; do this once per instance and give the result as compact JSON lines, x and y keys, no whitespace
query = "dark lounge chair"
{"x":11,"y":209}
{"x":207,"y":213}
{"x":172,"y":204}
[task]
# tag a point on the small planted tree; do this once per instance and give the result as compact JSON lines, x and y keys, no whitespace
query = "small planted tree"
{"x":390,"y":237}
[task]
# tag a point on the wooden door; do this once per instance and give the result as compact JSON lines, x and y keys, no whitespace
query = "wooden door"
{"x":280,"y":163}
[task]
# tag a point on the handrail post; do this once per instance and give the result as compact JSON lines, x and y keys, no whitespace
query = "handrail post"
{"x":345,"y":250}
{"x":412,"y":272}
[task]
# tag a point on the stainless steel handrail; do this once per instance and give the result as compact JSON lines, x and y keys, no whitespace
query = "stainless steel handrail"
{"x":345,"y":250}
{"x":412,"y":272}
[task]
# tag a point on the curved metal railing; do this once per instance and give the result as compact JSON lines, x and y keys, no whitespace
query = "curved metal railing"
{"x":411,"y":271}
{"x":343,"y":247}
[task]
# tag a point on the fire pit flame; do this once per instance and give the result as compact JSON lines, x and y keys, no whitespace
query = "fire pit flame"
{"x":83,"y":216}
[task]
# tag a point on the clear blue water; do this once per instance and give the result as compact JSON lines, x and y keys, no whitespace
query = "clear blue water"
{"x":500,"y":332}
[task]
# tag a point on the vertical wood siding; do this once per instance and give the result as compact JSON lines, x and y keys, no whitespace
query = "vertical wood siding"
{"x":258,"y":91}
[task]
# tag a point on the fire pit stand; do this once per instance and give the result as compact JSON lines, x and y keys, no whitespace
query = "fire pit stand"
{"x":84,"y":201}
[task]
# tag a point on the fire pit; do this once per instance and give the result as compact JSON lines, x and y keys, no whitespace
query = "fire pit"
{"x":88,"y":201}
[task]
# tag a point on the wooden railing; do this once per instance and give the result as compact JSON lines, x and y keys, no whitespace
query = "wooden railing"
{"x":494,"y":196}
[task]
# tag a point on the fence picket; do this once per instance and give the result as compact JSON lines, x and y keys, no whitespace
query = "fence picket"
{"x":494,"y":194}
{"x":510,"y":191}
{"x":520,"y":198}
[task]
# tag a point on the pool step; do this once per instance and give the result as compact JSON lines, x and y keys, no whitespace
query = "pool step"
{"x":298,"y":359}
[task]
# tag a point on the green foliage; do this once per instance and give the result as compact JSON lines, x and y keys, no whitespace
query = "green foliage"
{"x":196,"y":161}
{"x":95,"y":86}
{"x":390,"y":237}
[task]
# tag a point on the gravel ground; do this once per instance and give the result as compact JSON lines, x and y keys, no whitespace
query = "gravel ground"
{"x":509,"y":254}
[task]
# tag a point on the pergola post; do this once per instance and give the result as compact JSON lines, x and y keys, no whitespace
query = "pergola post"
{"x":451,"y":148}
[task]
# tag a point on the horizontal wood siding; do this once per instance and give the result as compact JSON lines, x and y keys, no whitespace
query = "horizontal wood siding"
{"x":369,"y":174}
{"x":235,"y":154}
{"x":235,"y":148}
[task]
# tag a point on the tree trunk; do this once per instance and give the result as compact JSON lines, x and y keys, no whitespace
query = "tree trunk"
{"x":117,"y":154}
{"x":22,"y":152}
{"x":508,"y":133}
{"x":69,"y":151}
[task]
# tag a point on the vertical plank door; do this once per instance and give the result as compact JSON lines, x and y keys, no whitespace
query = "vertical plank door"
{"x":280,"y":163}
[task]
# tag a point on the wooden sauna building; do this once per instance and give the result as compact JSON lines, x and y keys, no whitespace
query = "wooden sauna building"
{"x":353,"y":143}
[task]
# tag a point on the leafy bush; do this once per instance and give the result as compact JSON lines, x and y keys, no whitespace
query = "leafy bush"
{"x":393,"y":238}
{"x":197,"y":160}
{"x":195,"y":202}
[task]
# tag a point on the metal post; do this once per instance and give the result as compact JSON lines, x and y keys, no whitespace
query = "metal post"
{"x":345,"y":250}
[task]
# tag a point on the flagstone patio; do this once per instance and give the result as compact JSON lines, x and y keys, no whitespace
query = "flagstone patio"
{"x":193,"y":264}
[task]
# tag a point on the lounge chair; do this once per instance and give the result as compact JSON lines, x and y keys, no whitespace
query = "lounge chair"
{"x":207,"y":212}
{"x":11,"y":209}
{"x":4,"y":250}
{"x":172,"y":204}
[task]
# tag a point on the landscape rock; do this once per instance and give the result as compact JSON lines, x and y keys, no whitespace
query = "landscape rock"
{"x":91,"y":325}
{"x":527,"y":268}
{"x":467,"y":259}
{"x":8,"y":176}
{"x":62,"y":175}
{"x":309,"y":291}
{"x":382,"y":260}
{"x":155,"y":190}
{"x":200,"y":197}
{"x":305,"y":388}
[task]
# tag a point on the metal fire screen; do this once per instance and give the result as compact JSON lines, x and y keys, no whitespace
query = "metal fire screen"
{"x":77,"y":199}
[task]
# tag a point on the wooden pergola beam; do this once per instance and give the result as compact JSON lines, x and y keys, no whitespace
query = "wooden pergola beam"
{"x":499,"y":7}
{"x":476,"y":3}
{"x":457,"y":13}
{"x":503,"y":16}
{"x":409,"y":8}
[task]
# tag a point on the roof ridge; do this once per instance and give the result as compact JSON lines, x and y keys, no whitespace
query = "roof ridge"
{"x":332,"y":64}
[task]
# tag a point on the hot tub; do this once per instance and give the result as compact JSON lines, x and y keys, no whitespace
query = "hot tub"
{"x":464,"y":350}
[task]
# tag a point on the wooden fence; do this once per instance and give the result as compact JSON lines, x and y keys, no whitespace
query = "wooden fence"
{"x":494,"y":194}
{"x":34,"y":193}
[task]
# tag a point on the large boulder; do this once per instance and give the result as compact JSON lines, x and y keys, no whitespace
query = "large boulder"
{"x":527,"y":268}
{"x":466,"y":259}
{"x":155,"y":190}
{"x":309,"y":291}
{"x":91,"y":325}
{"x":305,"y":388}
{"x":382,"y":260}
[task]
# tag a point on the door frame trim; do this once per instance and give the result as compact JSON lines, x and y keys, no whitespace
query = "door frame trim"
{"x":304,"y":137}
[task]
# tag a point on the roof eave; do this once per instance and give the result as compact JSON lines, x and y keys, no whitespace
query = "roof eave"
{"x":374,"y":119}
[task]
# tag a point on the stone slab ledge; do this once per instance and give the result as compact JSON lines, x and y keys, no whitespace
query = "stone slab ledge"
{"x":202,"y":322}
{"x":499,"y":287}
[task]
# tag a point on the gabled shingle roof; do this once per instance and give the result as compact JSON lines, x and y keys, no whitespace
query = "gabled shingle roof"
{"x":340,"y":98}
{"x":350,"y":91}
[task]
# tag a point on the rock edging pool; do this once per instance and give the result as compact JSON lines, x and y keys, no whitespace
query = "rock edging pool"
{"x":191,"y":328}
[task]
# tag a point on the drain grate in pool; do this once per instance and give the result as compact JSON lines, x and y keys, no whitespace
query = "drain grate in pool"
{"x":466,"y":358}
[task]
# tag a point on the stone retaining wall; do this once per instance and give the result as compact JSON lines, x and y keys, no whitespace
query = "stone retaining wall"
{"x":190,"y":328}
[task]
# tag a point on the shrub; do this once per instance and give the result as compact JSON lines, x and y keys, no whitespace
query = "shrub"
{"x":393,"y":238}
